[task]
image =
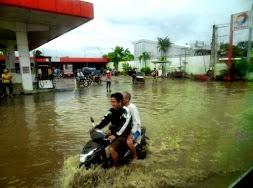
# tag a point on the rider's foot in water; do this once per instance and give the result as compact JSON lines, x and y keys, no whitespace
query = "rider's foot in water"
{"x":135,"y":162}
{"x":135,"y":158}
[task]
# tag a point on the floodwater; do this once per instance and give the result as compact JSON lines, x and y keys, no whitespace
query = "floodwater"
{"x":201,"y":135}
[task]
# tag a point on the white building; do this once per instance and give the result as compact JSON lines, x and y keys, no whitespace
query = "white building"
{"x":149,"y":46}
{"x":143,"y":45}
{"x":175,"y":50}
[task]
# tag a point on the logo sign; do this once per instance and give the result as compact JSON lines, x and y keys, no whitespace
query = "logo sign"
{"x":241,"y":21}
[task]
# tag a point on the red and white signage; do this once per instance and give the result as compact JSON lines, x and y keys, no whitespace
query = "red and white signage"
{"x":241,"y":20}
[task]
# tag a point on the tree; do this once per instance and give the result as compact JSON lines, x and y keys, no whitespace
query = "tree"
{"x":145,"y":56}
{"x":128,"y":56}
{"x":119,"y":54}
{"x":140,"y":59}
{"x":243,"y":46}
{"x":239,"y":50}
{"x":37,"y":53}
{"x":163,"y":47}
{"x":126,"y":67}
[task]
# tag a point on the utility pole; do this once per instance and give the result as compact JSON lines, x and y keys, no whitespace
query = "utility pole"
{"x":214,"y":48}
{"x":230,"y":48}
{"x":250,"y":34}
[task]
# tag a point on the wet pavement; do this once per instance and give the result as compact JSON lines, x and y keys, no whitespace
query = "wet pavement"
{"x":201,"y":135}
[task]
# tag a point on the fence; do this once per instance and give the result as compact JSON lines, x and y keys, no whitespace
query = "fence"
{"x":191,"y":64}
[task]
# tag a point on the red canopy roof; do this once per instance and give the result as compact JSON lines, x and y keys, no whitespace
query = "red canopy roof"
{"x":74,"y":60}
{"x":45,"y":19}
{"x":68,"y":60}
{"x":67,"y":7}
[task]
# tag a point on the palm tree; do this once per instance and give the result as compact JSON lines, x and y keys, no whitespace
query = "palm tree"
{"x":145,"y":57}
{"x":37,"y":53}
{"x":163,"y":47}
{"x":119,"y":54}
{"x":140,"y":59}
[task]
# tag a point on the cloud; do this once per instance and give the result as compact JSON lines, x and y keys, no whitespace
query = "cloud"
{"x":120,"y":22}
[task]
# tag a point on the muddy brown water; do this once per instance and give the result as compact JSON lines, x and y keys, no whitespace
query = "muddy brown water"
{"x":201,"y":135}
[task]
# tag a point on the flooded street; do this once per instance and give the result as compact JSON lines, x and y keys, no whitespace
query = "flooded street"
{"x":201,"y":135}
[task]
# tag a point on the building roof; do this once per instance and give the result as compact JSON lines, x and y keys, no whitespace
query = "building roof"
{"x":45,"y":19}
{"x":145,"y":41}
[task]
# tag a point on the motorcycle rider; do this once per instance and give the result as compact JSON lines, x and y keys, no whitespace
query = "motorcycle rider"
{"x":136,"y":121}
{"x":121,"y":124}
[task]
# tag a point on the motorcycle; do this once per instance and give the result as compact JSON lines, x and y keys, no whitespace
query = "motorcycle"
{"x":95,"y":151}
{"x":83,"y":81}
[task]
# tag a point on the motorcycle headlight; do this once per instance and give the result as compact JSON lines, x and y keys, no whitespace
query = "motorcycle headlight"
{"x":83,"y":157}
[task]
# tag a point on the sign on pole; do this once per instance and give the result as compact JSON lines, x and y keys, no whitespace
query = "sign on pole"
{"x":241,"y":20}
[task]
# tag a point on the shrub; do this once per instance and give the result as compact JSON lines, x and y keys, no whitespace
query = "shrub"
{"x":146,"y":70}
{"x":222,"y":74}
{"x":240,"y":69}
{"x":126,"y":67}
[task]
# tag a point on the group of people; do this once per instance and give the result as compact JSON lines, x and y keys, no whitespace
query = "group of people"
{"x":125,"y":125}
{"x":5,"y":83}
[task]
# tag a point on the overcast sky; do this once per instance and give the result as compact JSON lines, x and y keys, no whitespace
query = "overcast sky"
{"x":120,"y":22}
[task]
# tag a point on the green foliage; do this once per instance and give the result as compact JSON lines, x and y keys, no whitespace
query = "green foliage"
{"x":243,"y":45}
{"x":163,"y":59}
{"x":37,"y":53}
{"x":250,"y":67}
{"x":163,"y":45}
{"x":126,"y":67}
{"x":146,"y":70}
{"x":240,"y":69}
{"x":222,"y":74}
{"x":239,"y":50}
{"x":119,"y":54}
{"x":128,"y":56}
{"x":145,"y":56}
{"x":140,"y":58}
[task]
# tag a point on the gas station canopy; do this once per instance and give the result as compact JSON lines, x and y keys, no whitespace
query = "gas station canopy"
{"x":28,"y":24}
{"x":45,"y":19}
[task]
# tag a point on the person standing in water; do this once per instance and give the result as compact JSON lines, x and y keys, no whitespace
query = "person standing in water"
{"x":108,"y":80}
{"x":6,"y":81}
{"x":155,"y":74}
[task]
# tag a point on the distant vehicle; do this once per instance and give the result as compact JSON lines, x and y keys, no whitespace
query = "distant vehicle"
{"x":91,"y":76}
{"x":140,"y":77}
{"x":87,"y":71}
{"x":68,"y":70}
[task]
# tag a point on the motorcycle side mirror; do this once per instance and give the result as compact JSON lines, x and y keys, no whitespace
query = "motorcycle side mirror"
{"x":92,"y":120}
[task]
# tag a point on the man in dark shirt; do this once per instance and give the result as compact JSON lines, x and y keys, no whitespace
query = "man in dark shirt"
{"x":121,"y":124}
